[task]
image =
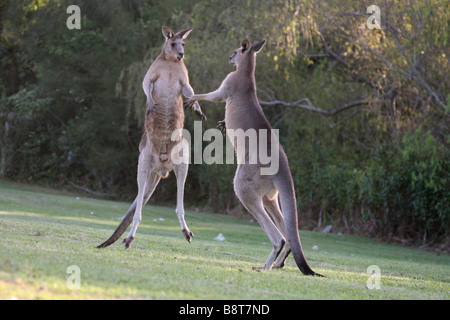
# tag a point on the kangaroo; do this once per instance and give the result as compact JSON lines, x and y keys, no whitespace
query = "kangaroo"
{"x":164,"y":83}
{"x":259,"y":193}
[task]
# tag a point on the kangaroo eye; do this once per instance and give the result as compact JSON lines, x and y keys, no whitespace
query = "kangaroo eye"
{"x":183,"y":44}
{"x":173,"y":45}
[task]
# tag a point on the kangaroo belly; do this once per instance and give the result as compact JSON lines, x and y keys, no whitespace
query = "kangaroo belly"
{"x":162,"y":126}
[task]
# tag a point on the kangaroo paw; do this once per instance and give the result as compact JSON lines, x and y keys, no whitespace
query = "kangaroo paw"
{"x":150,"y":108}
{"x":199,"y":111}
{"x":221,"y":126}
{"x":189,"y":103}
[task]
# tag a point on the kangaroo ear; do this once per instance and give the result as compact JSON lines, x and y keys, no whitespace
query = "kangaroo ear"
{"x":245,"y":45}
{"x":257,"y":47}
{"x":183,"y":34}
{"x":167,"y":32}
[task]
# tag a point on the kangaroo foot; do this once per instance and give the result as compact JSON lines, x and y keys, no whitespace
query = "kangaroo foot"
{"x":188,"y":234}
{"x":128,"y":241}
{"x":279,"y":265}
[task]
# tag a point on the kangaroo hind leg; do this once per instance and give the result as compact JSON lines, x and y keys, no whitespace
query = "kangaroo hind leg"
{"x":147,"y":180}
{"x":128,"y":217}
{"x":254,"y":204}
{"x":273,"y":208}
{"x":180,"y":168}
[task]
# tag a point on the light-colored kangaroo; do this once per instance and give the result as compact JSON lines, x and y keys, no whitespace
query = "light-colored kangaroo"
{"x":166,"y":80}
{"x":257,"y":192}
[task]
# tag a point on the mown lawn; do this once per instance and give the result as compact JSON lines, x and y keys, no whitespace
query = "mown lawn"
{"x":44,"y":232}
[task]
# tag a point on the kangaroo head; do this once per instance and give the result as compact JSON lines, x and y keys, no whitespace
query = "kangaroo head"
{"x":174,"y":45}
{"x":245,"y":50}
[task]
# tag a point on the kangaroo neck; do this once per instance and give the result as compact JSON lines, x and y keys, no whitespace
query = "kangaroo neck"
{"x":246,"y":70}
{"x":247,"y":65}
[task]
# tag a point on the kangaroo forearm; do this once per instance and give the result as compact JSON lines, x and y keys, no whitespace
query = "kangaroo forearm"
{"x":148,"y":89}
{"x":215,"y":96}
{"x":187,"y":91}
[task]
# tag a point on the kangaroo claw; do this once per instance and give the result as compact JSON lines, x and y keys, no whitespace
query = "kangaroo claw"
{"x":198,"y":111}
{"x":189,"y":103}
{"x":128,"y":241}
{"x":201,"y":115}
{"x":188,"y":235}
{"x":221,"y":126}
{"x":151,"y":108}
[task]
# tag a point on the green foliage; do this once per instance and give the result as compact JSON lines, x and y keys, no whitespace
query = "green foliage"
{"x":399,"y":192}
{"x":69,"y":126}
{"x":31,"y":160}
{"x":26,"y":104}
{"x":406,"y":188}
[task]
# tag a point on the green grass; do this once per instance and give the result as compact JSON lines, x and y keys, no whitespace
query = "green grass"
{"x":43,"y":232}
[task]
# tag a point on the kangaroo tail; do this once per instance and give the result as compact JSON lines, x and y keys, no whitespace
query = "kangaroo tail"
{"x":289,"y":208}
{"x":126,"y":221}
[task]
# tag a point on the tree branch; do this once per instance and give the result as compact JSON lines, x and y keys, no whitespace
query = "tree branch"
{"x":306,"y":104}
{"x":342,"y":61}
{"x":413,"y":69}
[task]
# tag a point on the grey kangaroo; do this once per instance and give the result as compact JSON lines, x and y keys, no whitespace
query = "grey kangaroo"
{"x":257,"y":192}
{"x":166,"y":80}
